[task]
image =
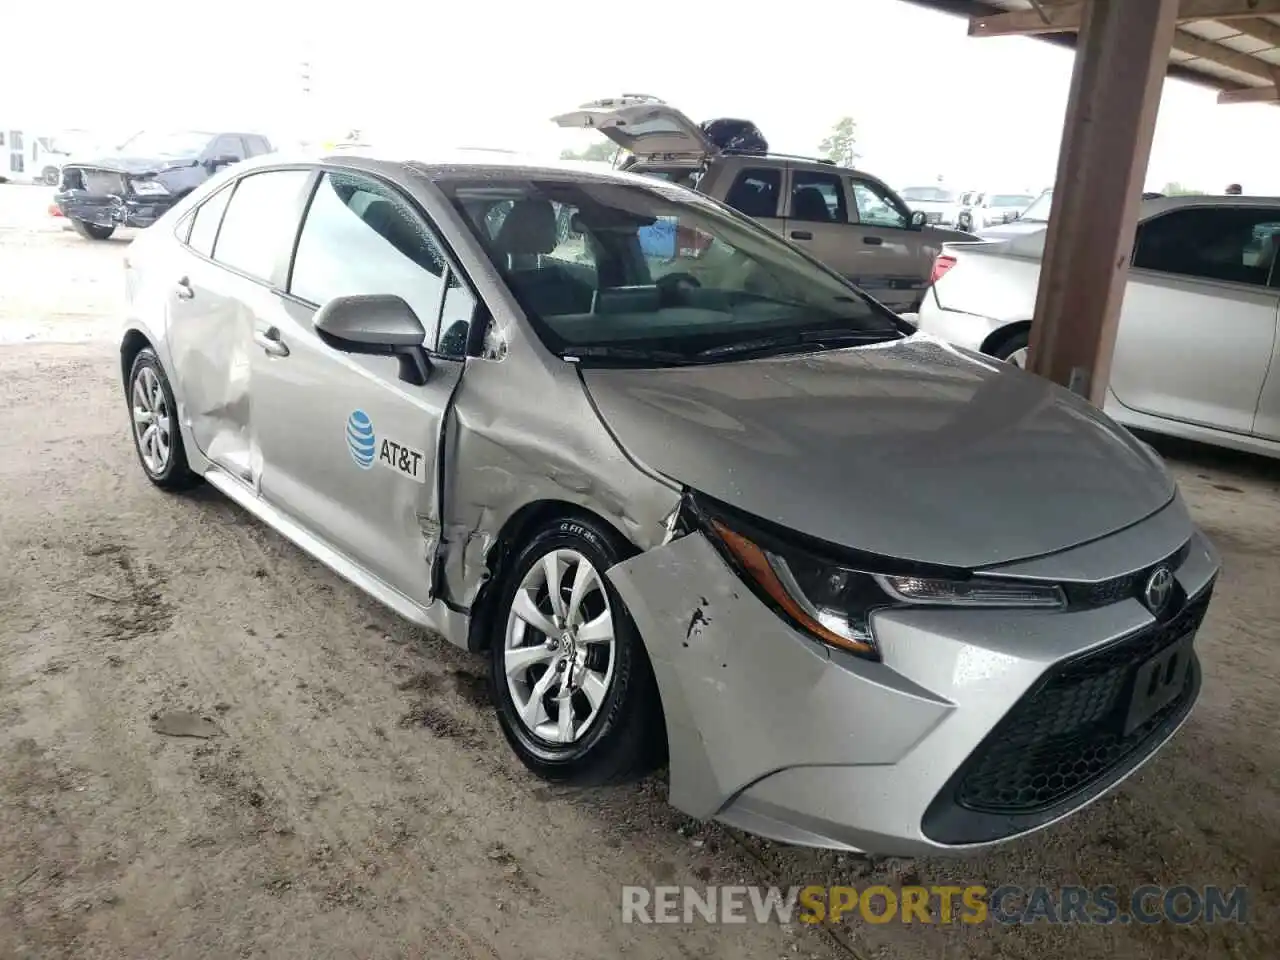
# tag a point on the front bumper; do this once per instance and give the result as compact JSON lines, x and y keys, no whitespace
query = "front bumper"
{"x":774,"y":733}
{"x":112,"y":210}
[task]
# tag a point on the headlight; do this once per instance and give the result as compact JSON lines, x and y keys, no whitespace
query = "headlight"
{"x":150,"y":188}
{"x":834,"y":601}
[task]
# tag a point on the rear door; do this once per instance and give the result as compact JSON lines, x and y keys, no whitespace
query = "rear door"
{"x":238,"y":243}
{"x":757,"y":192}
{"x":1198,"y":327}
{"x":818,"y":221}
{"x":350,"y":450}
{"x":893,"y":261}
{"x":645,"y":126}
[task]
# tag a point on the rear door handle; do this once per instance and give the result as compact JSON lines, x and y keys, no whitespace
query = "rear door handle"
{"x":269,"y":340}
{"x":183,"y":289}
{"x":874,"y":241}
{"x":801,"y":235}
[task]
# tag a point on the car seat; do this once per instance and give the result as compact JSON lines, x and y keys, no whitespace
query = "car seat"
{"x":808,"y":203}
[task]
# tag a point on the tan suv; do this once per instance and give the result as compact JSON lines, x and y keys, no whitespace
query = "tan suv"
{"x":851,"y":221}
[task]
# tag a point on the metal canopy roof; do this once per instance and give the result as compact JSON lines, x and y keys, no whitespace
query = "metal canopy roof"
{"x":1230,"y":45}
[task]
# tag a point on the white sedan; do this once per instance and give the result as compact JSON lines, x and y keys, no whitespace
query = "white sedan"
{"x":1196,"y":353}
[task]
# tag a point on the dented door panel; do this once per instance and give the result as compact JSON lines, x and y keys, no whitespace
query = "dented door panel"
{"x":210,"y":327}
{"x":350,"y":450}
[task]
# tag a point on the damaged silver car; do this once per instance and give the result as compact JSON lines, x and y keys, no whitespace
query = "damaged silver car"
{"x":704,"y":502}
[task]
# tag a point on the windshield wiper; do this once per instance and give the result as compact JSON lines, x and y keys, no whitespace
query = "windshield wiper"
{"x":802,"y":338}
{"x":625,"y":354}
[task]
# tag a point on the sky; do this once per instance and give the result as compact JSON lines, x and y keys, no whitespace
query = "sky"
{"x":929,"y":101}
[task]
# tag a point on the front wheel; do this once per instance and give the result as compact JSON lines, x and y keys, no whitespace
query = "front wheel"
{"x":575,"y":692}
{"x":92,"y":231}
{"x":1013,"y":349}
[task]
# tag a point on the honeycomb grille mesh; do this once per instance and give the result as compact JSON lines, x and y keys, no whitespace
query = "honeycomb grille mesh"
{"x":1069,"y":731}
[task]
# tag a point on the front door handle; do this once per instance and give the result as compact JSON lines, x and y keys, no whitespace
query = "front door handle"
{"x":183,"y":289}
{"x":801,"y":235}
{"x":269,"y":340}
{"x":874,"y":241}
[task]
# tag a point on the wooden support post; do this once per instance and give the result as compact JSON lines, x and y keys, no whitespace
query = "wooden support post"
{"x":1111,"y":114}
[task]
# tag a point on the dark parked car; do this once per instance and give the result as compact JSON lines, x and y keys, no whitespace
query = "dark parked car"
{"x":146,"y":175}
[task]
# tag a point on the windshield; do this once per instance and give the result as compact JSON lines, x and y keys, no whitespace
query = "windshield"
{"x":657,"y":273}
{"x":1038,"y":212}
{"x":1018,"y":200}
{"x":183,"y":143}
{"x":928,"y":195}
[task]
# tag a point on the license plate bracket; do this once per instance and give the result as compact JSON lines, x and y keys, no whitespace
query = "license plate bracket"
{"x":1158,"y":682}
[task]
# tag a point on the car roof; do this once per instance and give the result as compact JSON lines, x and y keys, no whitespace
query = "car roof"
{"x":447,"y":164}
{"x":1163,"y":204}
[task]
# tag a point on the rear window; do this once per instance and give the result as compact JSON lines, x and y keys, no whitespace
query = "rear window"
{"x":260,"y":222}
{"x":208,"y":216}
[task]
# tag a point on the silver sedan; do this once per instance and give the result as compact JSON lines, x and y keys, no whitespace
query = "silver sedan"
{"x":703,"y":502}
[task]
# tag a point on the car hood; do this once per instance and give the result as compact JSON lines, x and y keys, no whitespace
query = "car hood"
{"x":1012,"y":228}
{"x":129,"y":164}
{"x":912,"y":449}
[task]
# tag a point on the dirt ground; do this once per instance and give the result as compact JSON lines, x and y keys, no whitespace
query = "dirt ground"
{"x":358,"y":800}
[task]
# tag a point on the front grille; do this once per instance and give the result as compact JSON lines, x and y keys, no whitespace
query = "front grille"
{"x":102,"y":182}
{"x":1128,"y":586}
{"x":1068,"y":733}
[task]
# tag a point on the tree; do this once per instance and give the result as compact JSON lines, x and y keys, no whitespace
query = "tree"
{"x":597,"y":151}
{"x":839,"y":145}
{"x":1175,"y":189}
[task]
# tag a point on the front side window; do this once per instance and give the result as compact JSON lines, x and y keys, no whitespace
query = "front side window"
{"x":207,"y":218}
{"x":226,"y":146}
{"x":361,"y":237}
{"x":259,"y":224}
{"x":607,"y":283}
{"x":756,"y":192}
{"x":1233,"y":244}
{"x":1038,"y":210}
{"x":876,"y":206}
{"x":817,"y":197}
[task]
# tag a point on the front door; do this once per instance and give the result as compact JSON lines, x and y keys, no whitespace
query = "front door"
{"x":892,"y":263}
{"x":350,"y":450}
{"x":1198,"y":325}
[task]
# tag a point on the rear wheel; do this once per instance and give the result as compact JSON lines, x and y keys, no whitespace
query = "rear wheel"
{"x":92,"y":231}
{"x":575,"y":693}
{"x":154,"y":416}
{"x":1013,"y":349}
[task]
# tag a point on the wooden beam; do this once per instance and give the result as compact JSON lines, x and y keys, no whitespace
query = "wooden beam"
{"x":1256,"y":27}
{"x":1111,"y":117}
{"x":1269,"y":94}
{"x":1065,"y":17}
{"x":1223,"y":56}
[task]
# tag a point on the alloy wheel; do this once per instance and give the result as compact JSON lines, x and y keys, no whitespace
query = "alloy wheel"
{"x":560,"y":647}
{"x":152,"y":422}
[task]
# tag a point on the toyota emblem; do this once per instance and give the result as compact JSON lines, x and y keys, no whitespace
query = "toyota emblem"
{"x":1159,"y":589}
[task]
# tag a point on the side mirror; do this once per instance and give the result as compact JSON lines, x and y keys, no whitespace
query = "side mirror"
{"x":917,"y":220}
{"x":380,"y":325}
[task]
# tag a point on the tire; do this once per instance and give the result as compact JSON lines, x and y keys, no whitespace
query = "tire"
{"x":619,"y":734}
{"x":50,"y":176}
{"x":146,"y":379}
{"x":1010,"y":345}
{"x":91,"y":231}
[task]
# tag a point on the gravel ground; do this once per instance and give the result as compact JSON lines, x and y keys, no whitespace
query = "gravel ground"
{"x":357,"y":799}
